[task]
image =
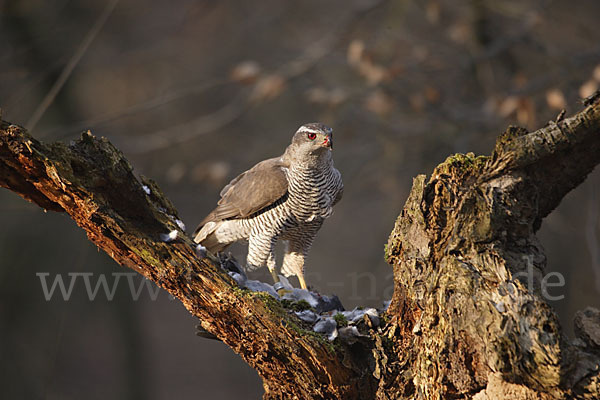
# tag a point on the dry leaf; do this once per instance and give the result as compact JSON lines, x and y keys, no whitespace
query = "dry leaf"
{"x":491,"y":105}
{"x":596,"y":73}
{"x":433,"y":11}
{"x":317,"y":95}
{"x":460,"y":32}
{"x":526,"y":112}
{"x":508,"y":106}
{"x":519,"y":80}
{"x":556,"y":99}
{"x":588,"y":89}
{"x":337,"y":96}
{"x":420,"y":53}
{"x":198,"y":173}
{"x":379,"y":103}
{"x":432,"y":94}
{"x":214,"y":173}
{"x":245,"y":72}
{"x":356,"y":49}
{"x":417,"y":102}
{"x":372,"y":73}
{"x":217,"y":172}
{"x":175,"y":172}
{"x":268,"y":88}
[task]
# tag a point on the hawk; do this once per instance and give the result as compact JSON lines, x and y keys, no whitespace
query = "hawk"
{"x":286,"y":197}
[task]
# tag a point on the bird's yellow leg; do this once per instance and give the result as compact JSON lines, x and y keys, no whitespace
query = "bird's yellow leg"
{"x":281,"y":291}
{"x":273,"y":270}
{"x":302,"y":282}
{"x":274,"y":275}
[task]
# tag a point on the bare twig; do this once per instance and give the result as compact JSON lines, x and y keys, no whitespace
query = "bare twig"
{"x":183,"y":132}
{"x":62,"y":131}
{"x":66,"y":72}
{"x":213,"y":122}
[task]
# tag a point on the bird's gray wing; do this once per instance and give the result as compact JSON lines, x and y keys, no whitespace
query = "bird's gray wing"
{"x":340,"y":192}
{"x":251,"y":191}
{"x":338,"y":196}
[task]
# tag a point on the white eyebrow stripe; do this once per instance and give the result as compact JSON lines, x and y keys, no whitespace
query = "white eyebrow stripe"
{"x":304,"y":129}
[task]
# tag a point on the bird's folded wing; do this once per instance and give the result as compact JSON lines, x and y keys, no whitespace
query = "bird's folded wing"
{"x":251,"y":191}
{"x":340,"y":192}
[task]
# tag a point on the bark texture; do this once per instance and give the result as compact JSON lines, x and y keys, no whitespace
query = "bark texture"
{"x":460,"y":325}
{"x":463,"y":238}
{"x":92,"y":182}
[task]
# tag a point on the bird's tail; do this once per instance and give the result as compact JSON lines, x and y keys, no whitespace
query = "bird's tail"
{"x":207,"y":238}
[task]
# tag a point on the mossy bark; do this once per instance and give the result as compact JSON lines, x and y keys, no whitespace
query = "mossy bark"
{"x":459,"y":326}
{"x":463,"y":238}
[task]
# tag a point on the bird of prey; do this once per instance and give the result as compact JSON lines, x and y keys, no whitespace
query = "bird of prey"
{"x":286,"y":197}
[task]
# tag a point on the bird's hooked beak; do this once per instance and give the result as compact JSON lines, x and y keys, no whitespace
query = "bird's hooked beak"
{"x":328,"y":141}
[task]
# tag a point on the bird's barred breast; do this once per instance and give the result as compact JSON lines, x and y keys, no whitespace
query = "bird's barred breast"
{"x":312,"y":193}
{"x":310,"y":201}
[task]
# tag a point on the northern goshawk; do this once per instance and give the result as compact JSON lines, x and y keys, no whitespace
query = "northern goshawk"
{"x":285,"y":198}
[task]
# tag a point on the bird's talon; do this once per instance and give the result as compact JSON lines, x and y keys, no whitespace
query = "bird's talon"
{"x":279,"y":288}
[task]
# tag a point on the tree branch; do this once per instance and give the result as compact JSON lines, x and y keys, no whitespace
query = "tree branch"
{"x":461,"y":323}
{"x":92,"y":182}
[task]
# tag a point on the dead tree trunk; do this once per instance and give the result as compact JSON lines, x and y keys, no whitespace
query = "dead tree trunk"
{"x":459,"y":326}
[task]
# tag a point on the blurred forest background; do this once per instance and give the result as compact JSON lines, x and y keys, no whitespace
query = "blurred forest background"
{"x":194,"y":92}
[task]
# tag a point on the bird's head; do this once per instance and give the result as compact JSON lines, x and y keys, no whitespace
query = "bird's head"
{"x":313,"y":139}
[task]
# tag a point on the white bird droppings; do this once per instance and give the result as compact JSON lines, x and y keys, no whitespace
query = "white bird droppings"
{"x":258,"y":286}
{"x":200,"y":251}
{"x":169,"y":237}
{"x":307,"y":316}
{"x":320,"y":311}
{"x":328,"y":326}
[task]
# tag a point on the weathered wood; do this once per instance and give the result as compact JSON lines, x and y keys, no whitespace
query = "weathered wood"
{"x":92,"y":182}
{"x":462,"y":237}
{"x":459,"y":326}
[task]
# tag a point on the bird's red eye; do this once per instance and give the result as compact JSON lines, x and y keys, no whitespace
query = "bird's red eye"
{"x":311,"y":135}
